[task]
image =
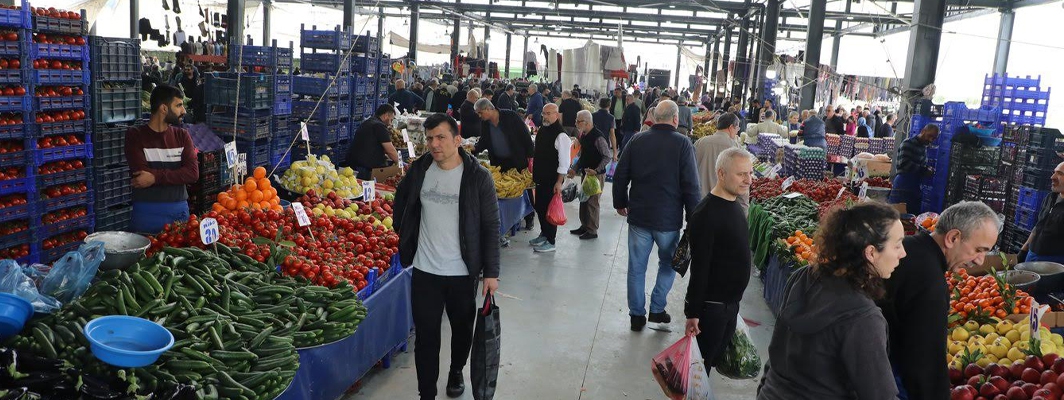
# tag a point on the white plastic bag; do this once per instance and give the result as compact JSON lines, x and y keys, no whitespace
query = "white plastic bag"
{"x":740,"y":359}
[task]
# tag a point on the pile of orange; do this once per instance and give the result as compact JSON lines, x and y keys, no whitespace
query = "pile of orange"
{"x":985,"y":296}
{"x":929,"y":223}
{"x":256,"y":193}
{"x":802,"y":246}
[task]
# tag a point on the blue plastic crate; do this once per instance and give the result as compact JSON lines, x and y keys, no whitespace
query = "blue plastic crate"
{"x":1031,"y":198}
{"x":45,"y":205}
{"x":1037,"y":178}
{"x":256,"y":90}
{"x":60,"y":52}
{"x":331,"y":63}
{"x":281,"y":125}
{"x":281,"y":161}
{"x":77,"y":175}
{"x":19,"y":239}
{"x":327,"y":133}
{"x":11,"y":213}
{"x":114,"y":219}
{"x":1013,"y":81}
{"x":1026,"y":218}
{"x":115,"y":101}
{"x":60,"y":103}
{"x":77,"y":27}
{"x":320,"y":87}
{"x":51,"y":255}
{"x":16,"y":103}
{"x":326,"y":109}
{"x":81,"y":128}
{"x":354,"y":129}
{"x":1004,"y":95}
{"x":282,"y":85}
{"x":17,"y":18}
{"x":14,"y":76}
{"x":359,"y":85}
{"x":18,"y":185}
{"x":58,"y":77}
{"x":366,"y":44}
{"x":335,"y":39}
{"x":15,"y":158}
{"x":385,"y":67}
{"x":12,"y":49}
{"x":109,"y":144}
{"x":246,"y":128}
{"x":63,"y":153}
{"x":272,"y":57}
{"x":115,"y":58}
{"x":112,"y":187}
{"x":363,"y":65}
{"x":257,"y":152}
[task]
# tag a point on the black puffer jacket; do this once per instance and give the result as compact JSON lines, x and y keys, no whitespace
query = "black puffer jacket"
{"x":478,"y":215}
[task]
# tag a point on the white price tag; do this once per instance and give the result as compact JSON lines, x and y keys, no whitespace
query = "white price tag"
{"x":787,"y":183}
{"x":1036,"y":318}
{"x":863,"y":194}
{"x":406,"y":137}
{"x":301,"y":214}
{"x":303,"y":132}
{"x":841,"y":191}
{"x":230,"y":154}
{"x":369,"y":190}
{"x":208,"y":230}
{"x":792,"y":195}
{"x":410,"y":149}
{"x":241,"y":166}
{"x":775,"y":170}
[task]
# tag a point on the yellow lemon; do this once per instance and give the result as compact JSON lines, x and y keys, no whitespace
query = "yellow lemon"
{"x":987,"y":329}
{"x":1004,"y":361}
{"x":1024,"y":336}
{"x":1015,"y":353}
{"x":1004,"y":327}
{"x":1012,"y":335}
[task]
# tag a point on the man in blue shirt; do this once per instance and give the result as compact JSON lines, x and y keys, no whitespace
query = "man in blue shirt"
{"x":660,"y":166}
{"x":535,"y":105}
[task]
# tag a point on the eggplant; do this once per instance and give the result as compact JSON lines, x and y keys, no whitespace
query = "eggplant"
{"x":13,"y":394}
{"x":41,"y":381}
{"x":95,"y":388}
{"x":179,"y":392}
{"x":30,"y":363}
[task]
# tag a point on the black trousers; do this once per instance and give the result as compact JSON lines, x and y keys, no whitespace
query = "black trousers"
{"x":430,"y":296}
{"x":544,"y":193}
{"x":531,"y":217}
{"x":717,"y":323}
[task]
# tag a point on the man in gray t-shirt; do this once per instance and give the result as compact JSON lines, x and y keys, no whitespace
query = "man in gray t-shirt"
{"x":439,"y":223}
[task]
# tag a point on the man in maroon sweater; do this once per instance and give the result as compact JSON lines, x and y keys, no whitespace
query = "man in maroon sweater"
{"x":162,"y":160}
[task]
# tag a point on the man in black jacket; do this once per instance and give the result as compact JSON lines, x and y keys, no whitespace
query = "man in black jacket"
{"x":549,"y":167}
{"x":506,"y":100}
{"x":568,"y":108}
{"x":504,"y":135}
{"x":447,"y":217}
{"x":372,"y":142}
{"x":470,"y":121}
{"x":916,"y":304}
{"x":595,"y":155}
{"x":631,"y":123}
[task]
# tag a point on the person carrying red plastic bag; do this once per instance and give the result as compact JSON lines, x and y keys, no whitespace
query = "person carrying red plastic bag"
{"x":681,"y":371}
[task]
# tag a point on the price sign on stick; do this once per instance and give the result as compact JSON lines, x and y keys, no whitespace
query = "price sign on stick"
{"x":841,"y":191}
{"x":775,"y":170}
{"x":230,"y":154}
{"x":369,"y":190}
{"x":406,"y":137}
{"x":301,"y":214}
{"x":787,"y":183}
{"x":208,"y":230}
{"x":410,"y":149}
{"x":303,"y":132}
{"x":863,"y":194}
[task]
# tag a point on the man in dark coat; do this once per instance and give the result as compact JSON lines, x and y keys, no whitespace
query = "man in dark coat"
{"x":504,"y":135}
{"x":471,"y":123}
{"x":631,"y":123}
{"x":506,"y":100}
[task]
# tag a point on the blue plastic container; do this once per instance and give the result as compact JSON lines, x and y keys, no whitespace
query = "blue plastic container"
{"x":127,"y":342}
{"x":14,"y":311}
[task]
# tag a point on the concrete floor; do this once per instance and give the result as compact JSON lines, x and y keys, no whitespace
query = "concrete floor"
{"x":566,"y":329}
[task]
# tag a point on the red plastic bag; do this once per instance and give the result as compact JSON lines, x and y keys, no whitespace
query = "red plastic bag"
{"x":680,"y":371}
{"x":556,"y":211}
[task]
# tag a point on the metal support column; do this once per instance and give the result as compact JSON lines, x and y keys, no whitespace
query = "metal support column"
{"x":756,"y":47}
{"x":741,"y":56}
{"x":134,"y":19}
{"x":454,"y":37}
{"x":726,"y":60}
{"x":412,"y":52}
{"x":922,"y":60}
{"x":768,"y":35}
{"x":836,"y":41}
{"x":380,"y":29}
{"x":705,"y":66}
{"x":267,"y":8}
{"x":235,"y":28}
{"x":507,"y":64}
{"x":814,"y":38}
{"x":524,"y":59}
{"x":1001,"y":56}
{"x":711,"y":73}
{"x":349,"y":16}
{"x":676,"y":81}
{"x":487,"y":35}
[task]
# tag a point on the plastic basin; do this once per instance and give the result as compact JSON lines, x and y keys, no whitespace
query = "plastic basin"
{"x":14,"y":311}
{"x":127,"y":342}
{"x":121,"y":249}
{"x":1051,"y":275}
{"x":1021,"y":279}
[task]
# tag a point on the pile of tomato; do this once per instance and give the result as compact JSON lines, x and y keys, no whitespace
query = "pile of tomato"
{"x":48,"y":142}
{"x":13,"y":227}
{"x":13,"y":200}
{"x":63,"y":190}
{"x":984,"y":296}
{"x":57,"y":64}
{"x":58,"y":39}
{"x":329,"y":251}
{"x":60,"y":166}
{"x":12,"y":173}
{"x":9,"y":35}
{"x":54,"y":13}
{"x":10,"y":63}
{"x":13,"y":90}
{"x":58,"y":91}
{"x":11,"y":146}
{"x":64,"y":239}
{"x":64,"y":215}
{"x":15,"y":252}
{"x":60,"y":116}
{"x":879,"y":181}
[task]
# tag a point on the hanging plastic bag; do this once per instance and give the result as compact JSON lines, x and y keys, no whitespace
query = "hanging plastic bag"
{"x":610,"y":170}
{"x":570,"y":191}
{"x":556,"y":211}
{"x":681,"y":372}
{"x":72,"y":274}
{"x":592,"y":186}
{"x":740,"y":359}
{"x":14,"y":281}
{"x":681,"y":259}
{"x":486,"y":352}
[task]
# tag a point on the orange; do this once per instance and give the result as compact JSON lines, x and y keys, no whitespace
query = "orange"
{"x":250,"y":185}
{"x":223,"y":196}
{"x":217,"y":207}
{"x":274,"y":201}
{"x":276,"y":208}
{"x":242,"y":204}
{"x":265,"y":205}
{"x":237,"y":188}
{"x":264,"y":183}
{"x":259,"y":173}
{"x":241,"y":195}
{"x":255,"y":206}
{"x":256,"y":196}
{"x":231,"y":204}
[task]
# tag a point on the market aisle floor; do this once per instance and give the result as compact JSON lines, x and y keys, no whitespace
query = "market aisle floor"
{"x":566,"y":329}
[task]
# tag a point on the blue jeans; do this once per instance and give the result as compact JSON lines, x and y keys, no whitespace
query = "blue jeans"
{"x":640,"y":242}
{"x":150,"y":218}
{"x":1031,"y":257}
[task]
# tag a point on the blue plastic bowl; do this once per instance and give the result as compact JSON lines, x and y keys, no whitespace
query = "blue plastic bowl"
{"x":127,"y":342}
{"x":990,"y":141}
{"x":982,"y":132}
{"x":14,"y":311}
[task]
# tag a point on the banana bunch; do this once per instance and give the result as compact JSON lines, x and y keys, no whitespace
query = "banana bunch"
{"x":510,"y":184}
{"x":703,"y":130}
{"x":397,"y":139}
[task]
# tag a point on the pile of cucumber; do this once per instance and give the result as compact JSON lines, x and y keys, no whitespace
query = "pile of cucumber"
{"x":236,"y":322}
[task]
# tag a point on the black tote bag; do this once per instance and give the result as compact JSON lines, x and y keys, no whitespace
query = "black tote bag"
{"x":485,"y":356}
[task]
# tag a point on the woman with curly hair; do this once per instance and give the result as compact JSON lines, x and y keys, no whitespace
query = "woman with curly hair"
{"x":830,"y":341}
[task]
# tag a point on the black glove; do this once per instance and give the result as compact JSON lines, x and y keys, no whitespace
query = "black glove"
{"x":1022,"y":257}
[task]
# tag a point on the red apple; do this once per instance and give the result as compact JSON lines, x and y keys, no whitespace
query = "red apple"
{"x":962,"y":393}
{"x":955,"y":375}
{"x":1031,"y":375}
{"x":976,"y":381}
{"x":1053,"y":387}
{"x":1017,"y":368}
{"x":1058,"y":366}
{"x":1034,"y":362}
{"x":1000,"y":382}
{"x":1030,"y":388}
{"x":1015,"y":393}
{"x":1001,"y":397}
{"x":1048,"y":376}
{"x":994,"y":369}
{"x":1049,"y":359}
{"x":988,"y":390}
{"x":1043,"y":393}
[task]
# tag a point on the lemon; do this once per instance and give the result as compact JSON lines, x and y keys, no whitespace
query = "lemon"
{"x":1024,"y":336}
{"x":1015,"y":353}
{"x":1004,"y":361}
{"x":1023,"y":345}
{"x":983,"y":362}
{"x":1058,"y":340}
{"x":991,"y":357}
{"x":1048,"y":348}
{"x":1013,"y":336}
{"x":987,"y":329}
{"x":971,"y":326}
{"x":998,"y":351}
{"x":990,"y":338}
{"x":1003,"y":342}
{"x":974,"y":339}
{"x":1004,"y":327}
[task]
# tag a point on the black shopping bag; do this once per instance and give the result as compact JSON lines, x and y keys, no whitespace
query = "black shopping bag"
{"x":484,"y":360}
{"x":681,"y":259}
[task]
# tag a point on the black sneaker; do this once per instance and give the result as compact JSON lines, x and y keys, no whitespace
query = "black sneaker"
{"x":588,"y":236}
{"x":660,"y":318}
{"x":578,"y":232}
{"x":638,"y":322}
{"x":455,"y":384}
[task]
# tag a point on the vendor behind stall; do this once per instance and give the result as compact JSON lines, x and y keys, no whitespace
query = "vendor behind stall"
{"x":162,"y":160}
{"x":504,"y":135}
{"x":912,"y":160}
{"x":373,"y":140}
{"x":1044,"y":244}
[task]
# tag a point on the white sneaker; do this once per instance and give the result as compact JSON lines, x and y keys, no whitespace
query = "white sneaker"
{"x":544,"y":247}
{"x":537,"y":241}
